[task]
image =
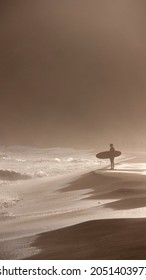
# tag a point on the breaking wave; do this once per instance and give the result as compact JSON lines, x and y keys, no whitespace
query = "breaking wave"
{"x":7,"y":175}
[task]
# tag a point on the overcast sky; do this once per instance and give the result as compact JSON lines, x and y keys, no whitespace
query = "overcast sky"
{"x":73,"y":73}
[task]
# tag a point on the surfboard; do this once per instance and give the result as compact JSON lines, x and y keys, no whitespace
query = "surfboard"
{"x":107,"y":154}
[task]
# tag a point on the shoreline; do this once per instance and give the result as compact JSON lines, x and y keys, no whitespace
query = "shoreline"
{"x":79,"y":213}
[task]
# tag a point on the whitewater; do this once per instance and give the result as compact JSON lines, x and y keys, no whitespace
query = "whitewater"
{"x":34,"y":162}
{"x":21,"y":166}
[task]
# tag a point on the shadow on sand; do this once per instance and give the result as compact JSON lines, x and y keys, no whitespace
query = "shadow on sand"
{"x":129,"y":190}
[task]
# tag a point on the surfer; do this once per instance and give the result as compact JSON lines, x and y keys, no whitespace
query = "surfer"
{"x":112,"y":151}
{"x":110,"y":154}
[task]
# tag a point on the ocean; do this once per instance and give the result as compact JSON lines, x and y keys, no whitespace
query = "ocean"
{"x":18,"y":163}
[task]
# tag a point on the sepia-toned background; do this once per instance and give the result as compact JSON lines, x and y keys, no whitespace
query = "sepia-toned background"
{"x":73,"y":73}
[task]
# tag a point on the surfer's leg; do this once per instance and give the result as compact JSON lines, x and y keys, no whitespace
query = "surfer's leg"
{"x":112,"y":163}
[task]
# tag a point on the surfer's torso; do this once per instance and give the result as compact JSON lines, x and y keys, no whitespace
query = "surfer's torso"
{"x":112,"y":152}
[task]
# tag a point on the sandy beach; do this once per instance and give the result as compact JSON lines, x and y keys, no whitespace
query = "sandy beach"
{"x":73,"y":103}
{"x":97,"y":215}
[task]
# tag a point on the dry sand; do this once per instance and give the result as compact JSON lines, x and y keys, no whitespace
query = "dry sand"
{"x":99,"y":215}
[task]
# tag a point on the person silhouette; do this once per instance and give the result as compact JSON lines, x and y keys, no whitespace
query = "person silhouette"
{"x":112,"y":152}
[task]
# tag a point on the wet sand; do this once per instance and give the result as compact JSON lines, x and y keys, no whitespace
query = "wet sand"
{"x":112,"y":239}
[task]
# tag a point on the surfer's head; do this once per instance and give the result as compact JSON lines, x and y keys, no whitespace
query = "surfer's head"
{"x":111,"y":145}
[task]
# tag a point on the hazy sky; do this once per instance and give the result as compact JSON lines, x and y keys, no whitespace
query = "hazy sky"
{"x":73,"y":73}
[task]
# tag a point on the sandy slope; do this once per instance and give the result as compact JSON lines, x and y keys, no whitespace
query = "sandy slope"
{"x":99,"y":239}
